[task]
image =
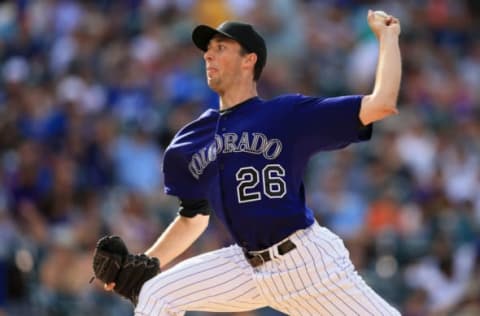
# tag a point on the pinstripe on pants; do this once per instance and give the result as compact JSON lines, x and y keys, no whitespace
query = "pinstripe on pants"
{"x":316,"y":278}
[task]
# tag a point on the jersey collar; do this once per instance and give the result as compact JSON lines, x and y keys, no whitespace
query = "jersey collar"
{"x":236,"y":106}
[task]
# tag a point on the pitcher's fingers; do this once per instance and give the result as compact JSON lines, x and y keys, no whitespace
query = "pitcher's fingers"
{"x":395,"y":20}
{"x":388,"y":20}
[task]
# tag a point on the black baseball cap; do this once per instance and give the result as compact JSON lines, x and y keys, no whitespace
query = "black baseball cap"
{"x":243,"y":33}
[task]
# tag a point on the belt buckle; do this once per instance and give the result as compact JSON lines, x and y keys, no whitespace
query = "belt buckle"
{"x":261,"y":258}
{"x":254,"y":256}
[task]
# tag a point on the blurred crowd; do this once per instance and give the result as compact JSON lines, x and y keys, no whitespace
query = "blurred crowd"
{"x":93,"y":91}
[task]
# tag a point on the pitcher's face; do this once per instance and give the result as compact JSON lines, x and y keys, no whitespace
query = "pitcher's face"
{"x":223,"y":63}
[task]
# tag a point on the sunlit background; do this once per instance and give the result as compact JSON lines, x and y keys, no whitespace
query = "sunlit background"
{"x":91,"y":92}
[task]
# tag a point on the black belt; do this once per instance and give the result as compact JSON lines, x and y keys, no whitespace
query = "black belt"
{"x":259,"y":258}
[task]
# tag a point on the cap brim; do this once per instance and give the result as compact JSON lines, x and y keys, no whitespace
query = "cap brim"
{"x":202,"y":35}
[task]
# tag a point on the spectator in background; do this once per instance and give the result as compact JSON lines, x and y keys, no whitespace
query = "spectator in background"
{"x":339,"y":209}
{"x":444,"y":275}
{"x":137,"y":161}
{"x":134,"y":222}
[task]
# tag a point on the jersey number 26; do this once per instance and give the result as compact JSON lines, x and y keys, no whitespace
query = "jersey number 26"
{"x":271,"y":176}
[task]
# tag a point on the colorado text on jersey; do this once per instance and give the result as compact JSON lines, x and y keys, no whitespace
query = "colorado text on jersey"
{"x":253,"y":143}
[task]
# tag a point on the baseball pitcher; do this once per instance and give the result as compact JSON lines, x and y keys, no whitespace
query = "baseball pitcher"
{"x":245,"y":161}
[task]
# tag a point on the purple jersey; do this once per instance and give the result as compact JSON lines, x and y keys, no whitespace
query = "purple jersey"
{"x":248,"y":161}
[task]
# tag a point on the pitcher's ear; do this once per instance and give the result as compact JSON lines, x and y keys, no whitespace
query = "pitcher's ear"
{"x":251,"y":58}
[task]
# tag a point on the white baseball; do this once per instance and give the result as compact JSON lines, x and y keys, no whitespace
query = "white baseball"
{"x":381,"y":13}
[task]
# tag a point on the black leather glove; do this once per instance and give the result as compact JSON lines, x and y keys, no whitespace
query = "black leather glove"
{"x":113,"y":263}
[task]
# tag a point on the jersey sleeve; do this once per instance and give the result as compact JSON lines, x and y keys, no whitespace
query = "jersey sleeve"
{"x":329,"y":123}
{"x":178,"y":181}
{"x":191,"y":208}
{"x":178,"y":177}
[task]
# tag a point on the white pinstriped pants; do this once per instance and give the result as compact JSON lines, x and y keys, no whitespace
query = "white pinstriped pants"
{"x":316,"y":278}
